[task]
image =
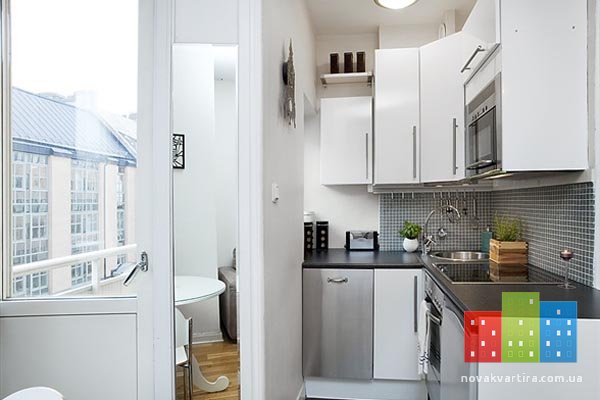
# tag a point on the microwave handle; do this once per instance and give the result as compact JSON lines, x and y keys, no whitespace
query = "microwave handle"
{"x":480,"y":164}
{"x":467,"y":65}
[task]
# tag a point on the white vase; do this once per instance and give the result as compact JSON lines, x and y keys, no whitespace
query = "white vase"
{"x":410,"y":245}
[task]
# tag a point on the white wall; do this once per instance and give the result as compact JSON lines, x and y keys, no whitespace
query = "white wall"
{"x":391,"y":37}
{"x":226,"y":188}
{"x":194,"y":187}
{"x":206,"y":21}
{"x":282,"y":222}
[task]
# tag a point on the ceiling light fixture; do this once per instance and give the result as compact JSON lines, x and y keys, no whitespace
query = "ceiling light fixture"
{"x":395,"y":4}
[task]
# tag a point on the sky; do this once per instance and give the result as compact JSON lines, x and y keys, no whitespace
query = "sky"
{"x":64,"y":46}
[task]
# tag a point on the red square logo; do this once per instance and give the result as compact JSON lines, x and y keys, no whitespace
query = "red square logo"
{"x":483,"y":336}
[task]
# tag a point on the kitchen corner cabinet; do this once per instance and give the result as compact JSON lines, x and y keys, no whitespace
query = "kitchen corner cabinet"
{"x":442,"y":110}
{"x":397,"y":297}
{"x":346,"y":141}
{"x":396,"y":139}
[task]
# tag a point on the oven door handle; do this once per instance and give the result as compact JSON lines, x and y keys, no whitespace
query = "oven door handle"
{"x":434,"y":319}
{"x":480,"y":164}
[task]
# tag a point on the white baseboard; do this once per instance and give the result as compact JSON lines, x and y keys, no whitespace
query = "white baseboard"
{"x":207,"y":337}
{"x":365,"y":390}
{"x":302,"y":394}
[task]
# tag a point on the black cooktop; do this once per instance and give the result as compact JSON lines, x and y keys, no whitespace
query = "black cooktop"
{"x":492,"y":273}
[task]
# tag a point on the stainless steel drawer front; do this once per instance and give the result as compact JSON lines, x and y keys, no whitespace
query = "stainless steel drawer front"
{"x":338,"y":323}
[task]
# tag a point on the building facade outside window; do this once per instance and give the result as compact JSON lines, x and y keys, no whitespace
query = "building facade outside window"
{"x":35,"y":284}
{"x":85,"y":235}
{"x":30,"y":208}
{"x":29,"y":220}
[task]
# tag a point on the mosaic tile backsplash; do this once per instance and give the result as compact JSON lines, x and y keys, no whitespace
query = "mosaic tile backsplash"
{"x":553,"y":218}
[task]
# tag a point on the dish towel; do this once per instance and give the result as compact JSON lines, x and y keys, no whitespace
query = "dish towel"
{"x":423,"y":337}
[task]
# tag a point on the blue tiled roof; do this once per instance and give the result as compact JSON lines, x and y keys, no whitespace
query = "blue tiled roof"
{"x":43,"y":122}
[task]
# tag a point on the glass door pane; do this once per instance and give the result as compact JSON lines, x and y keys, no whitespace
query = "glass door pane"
{"x":73,"y":132}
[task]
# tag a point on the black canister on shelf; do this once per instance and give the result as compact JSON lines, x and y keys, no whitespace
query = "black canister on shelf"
{"x":361,"y":61}
{"x":334,"y":63}
{"x":348,"y":63}
{"x":322,"y":235}
{"x":309,"y":237}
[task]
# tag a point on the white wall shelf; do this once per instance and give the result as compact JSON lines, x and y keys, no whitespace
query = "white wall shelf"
{"x":349,"y":78}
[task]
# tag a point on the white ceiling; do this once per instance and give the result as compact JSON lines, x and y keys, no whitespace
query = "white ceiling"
{"x":225,"y":62}
{"x":364,"y":16}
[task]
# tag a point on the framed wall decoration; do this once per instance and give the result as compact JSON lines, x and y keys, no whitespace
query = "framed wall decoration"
{"x":178,"y":151}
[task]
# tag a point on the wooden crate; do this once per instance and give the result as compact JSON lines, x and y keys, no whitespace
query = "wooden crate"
{"x":508,"y":253}
{"x":508,"y":272}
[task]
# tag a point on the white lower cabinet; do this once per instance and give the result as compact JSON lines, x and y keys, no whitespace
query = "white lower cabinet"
{"x":398,"y":294}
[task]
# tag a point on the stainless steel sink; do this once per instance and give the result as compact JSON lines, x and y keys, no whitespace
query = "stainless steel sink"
{"x":461,"y":256}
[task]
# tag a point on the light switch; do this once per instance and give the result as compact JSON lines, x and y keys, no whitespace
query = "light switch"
{"x":274,"y":192}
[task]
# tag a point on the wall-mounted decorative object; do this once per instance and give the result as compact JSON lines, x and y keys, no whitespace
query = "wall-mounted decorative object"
{"x":289,"y":79}
{"x":334,"y":63}
{"x":178,"y":151}
{"x":361,"y":61}
{"x":348,"y":63}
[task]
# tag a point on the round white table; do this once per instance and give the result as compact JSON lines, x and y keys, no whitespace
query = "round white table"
{"x":194,"y":289}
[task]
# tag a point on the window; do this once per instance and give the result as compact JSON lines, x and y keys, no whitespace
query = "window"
{"x":30,"y":208}
{"x":81,"y":273}
{"x":85,"y":235}
{"x":73,"y":119}
{"x":35,"y":284}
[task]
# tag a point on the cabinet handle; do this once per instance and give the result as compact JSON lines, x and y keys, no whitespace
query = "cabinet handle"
{"x":367,"y":156}
{"x":337,"y":280}
{"x":415,"y":321}
{"x":470,"y":60}
{"x":454,"y":127}
{"x":414,"y":152}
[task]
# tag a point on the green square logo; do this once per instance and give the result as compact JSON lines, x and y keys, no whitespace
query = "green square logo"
{"x":520,"y":327}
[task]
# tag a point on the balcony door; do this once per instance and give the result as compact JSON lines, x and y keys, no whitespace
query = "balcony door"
{"x":86,"y":167}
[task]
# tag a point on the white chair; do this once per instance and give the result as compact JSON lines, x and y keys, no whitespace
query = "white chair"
{"x":36,"y":393}
{"x":183,"y":350}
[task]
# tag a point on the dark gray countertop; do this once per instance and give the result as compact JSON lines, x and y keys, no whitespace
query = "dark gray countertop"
{"x":468,"y":297}
{"x":335,"y":258}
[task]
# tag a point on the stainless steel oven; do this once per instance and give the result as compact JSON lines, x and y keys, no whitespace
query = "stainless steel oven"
{"x":433,"y":378}
{"x":484,"y":138}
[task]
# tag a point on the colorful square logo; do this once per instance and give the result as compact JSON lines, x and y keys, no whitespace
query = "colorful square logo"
{"x":527,"y":330}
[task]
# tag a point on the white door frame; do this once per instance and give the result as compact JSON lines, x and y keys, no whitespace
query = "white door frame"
{"x":154,"y":101}
{"x":250,"y":241}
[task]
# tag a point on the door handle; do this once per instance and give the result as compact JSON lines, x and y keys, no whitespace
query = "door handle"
{"x":337,"y":280}
{"x":470,"y":60}
{"x":454,"y":128}
{"x":367,"y":156}
{"x":414,"y":152}
{"x":140,"y":266}
{"x":415,"y":298}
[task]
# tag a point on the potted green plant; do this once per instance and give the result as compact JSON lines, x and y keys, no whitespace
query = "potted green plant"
{"x":410,"y":232}
{"x":507,"y":248}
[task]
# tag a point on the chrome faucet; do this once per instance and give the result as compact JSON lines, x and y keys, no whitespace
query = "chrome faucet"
{"x":428,"y":241}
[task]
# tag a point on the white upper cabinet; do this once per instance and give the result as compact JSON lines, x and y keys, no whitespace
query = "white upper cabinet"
{"x":442,"y":110}
{"x":481,"y":32}
{"x":396,"y":116}
{"x":544,"y":81}
{"x":346,"y":141}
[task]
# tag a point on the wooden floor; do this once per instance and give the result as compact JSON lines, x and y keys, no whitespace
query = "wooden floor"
{"x":216,"y":359}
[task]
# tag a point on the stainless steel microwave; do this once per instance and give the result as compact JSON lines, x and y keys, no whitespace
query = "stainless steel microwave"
{"x":484,"y":132}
